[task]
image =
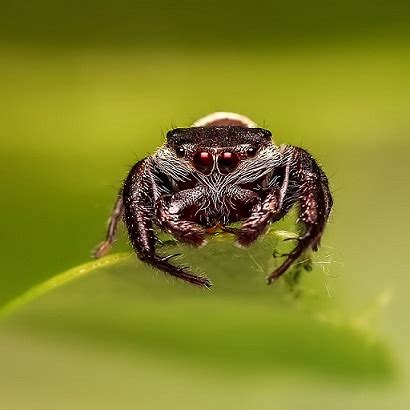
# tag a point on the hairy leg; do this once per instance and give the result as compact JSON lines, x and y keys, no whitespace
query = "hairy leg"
{"x":315,"y":202}
{"x":110,"y":236}
{"x":271,"y":210}
{"x":139,"y":214}
{"x":256,"y":224}
{"x":169,"y":211}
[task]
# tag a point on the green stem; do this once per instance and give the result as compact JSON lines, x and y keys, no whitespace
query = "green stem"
{"x":56,"y":282}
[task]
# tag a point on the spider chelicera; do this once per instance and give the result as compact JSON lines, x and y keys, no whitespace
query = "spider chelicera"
{"x":222,"y":170}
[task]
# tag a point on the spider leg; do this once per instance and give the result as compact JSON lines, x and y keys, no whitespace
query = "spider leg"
{"x":169,"y":218}
{"x":110,"y":236}
{"x":255,"y":225}
{"x":315,"y":202}
{"x":271,"y":210}
{"x":139,"y":214}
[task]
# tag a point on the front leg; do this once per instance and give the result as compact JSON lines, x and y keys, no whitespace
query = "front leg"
{"x":139,"y":213}
{"x":315,"y":201}
{"x":256,"y":224}
{"x":271,"y":210}
{"x":169,"y":216}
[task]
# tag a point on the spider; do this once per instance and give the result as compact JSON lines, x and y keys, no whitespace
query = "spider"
{"x":222,"y":170}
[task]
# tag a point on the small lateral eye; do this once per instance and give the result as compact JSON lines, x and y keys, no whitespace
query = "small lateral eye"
{"x":180,"y":152}
{"x":251,"y":151}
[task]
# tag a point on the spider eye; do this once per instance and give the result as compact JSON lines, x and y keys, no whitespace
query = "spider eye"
{"x":203,"y":162}
{"x":251,"y":151}
{"x":227,"y":162}
{"x":180,"y":152}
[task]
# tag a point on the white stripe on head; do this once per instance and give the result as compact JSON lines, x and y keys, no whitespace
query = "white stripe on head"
{"x":223,"y":119}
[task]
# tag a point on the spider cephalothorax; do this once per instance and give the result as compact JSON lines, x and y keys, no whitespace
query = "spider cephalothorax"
{"x":220,"y":171}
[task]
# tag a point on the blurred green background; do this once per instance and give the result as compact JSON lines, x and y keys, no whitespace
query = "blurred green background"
{"x":89,"y":87}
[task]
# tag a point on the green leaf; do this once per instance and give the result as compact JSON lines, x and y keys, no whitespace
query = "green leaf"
{"x":241,"y":323}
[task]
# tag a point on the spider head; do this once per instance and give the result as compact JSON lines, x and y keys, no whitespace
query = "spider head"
{"x":217,"y":148}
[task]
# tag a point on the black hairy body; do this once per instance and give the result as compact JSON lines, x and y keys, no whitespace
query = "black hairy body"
{"x":221,"y":171}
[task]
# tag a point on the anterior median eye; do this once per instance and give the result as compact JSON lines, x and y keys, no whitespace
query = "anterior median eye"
{"x":203,"y":162}
{"x":227,"y":162}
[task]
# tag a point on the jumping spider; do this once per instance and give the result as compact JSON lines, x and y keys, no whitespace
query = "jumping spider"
{"x":220,"y":171}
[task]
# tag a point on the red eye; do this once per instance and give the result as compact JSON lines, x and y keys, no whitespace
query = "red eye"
{"x":227,"y":162}
{"x":203,"y":162}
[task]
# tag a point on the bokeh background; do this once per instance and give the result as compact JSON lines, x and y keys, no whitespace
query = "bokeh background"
{"x":89,"y":87}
